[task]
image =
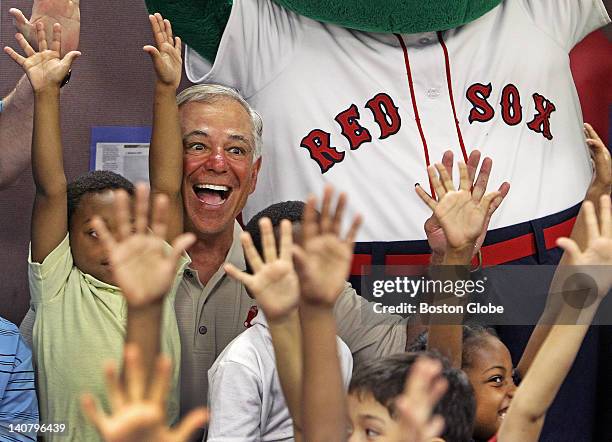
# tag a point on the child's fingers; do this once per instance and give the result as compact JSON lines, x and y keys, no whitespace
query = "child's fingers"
{"x":445,"y":177}
{"x":325,"y":221}
{"x":57,"y":38}
{"x":168,"y":29}
{"x":106,"y":238}
{"x":122,"y":209}
{"x":152,"y":51}
{"x":464,"y":179}
{"x":480,"y":186}
{"x":352,"y":233}
{"x":570,"y":247}
{"x":300,"y":260}
{"x":116,"y":395}
{"x":286,"y":240}
{"x":487,"y":201}
{"x":472,"y":164}
{"x":605,"y":216}
{"x":24,"y":45}
{"x":181,"y":244}
{"x":268,"y":241}
{"x":160,"y":384}
{"x":438,"y":388}
{"x":91,"y":411}
{"x":339,"y":213}
{"x":591,"y":133}
{"x":435,"y":182}
{"x":435,"y":427}
{"x":70,"y":57}
{"x":238,"y":274}
{"x":591,"y":223}
{"x":432,"y":203}
{"x":141,"y":209}
{"x":250,"y":252}
{"x":159,"y":216}
{"x":503,"y":190}
{"x":20,"y":60}
{"x":310,"y":226}
{"x":156,"y":30}
{"x":178,"y":44}
{"x":194,"y":420}
{"x":41,"y":36}
{"x":447,"y":161}
{"x":21,"y":22}
{"x":601,"y":159}
{"x":162,"y":27}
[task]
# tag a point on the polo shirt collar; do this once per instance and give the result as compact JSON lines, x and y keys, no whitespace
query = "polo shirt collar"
{"x":235,"y":255}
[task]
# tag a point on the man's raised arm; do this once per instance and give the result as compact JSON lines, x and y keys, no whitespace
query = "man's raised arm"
{"x":18,"y":106}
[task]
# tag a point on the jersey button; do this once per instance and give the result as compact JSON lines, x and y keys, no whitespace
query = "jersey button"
{"x":188,"y":273}
{"x":202,"y":329}
{"x":433,"y":92}
{"x":424,"y":40}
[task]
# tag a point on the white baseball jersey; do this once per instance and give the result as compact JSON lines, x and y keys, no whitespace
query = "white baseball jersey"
{"x":367,"y":112}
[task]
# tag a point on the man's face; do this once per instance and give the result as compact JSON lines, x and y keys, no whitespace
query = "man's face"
{"x":218,"y":169}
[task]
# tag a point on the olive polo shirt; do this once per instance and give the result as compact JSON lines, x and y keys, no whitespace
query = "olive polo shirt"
{"x":211,"y":316}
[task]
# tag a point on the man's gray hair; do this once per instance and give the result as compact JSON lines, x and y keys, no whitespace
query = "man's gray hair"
{"x":210,"y":93}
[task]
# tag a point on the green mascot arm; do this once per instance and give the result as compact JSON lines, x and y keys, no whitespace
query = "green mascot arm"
{"x":201,"y":22}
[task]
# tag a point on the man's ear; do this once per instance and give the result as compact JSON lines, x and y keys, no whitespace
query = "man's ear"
{"x":254,"y":174}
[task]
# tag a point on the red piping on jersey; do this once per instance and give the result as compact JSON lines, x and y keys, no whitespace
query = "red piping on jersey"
{"x":450,"y":93}
{"x":414,"y":106}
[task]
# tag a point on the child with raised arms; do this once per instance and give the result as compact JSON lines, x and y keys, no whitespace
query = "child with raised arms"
{"x":80,"y":313}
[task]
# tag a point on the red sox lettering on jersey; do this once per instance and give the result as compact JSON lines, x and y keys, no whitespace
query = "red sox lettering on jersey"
{"x":386,"y":114}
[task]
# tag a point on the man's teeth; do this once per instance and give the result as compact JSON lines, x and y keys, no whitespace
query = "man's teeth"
{"x":211,"y":187}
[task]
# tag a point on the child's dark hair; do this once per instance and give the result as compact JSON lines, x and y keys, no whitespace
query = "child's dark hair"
{"x":94,"y":182}
{"x":473,"y":334}
{"x":291,"y":210}
{"x":384,"y":379}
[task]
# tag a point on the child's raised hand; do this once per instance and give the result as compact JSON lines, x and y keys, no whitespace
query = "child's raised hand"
{"x":323,"y":260}
{"x":597,"y":256}
{"x":463,"y":214}
{"x":138,"y":412}
{"x":602,"y":176}
{"x":434,"y":231}
{"x":45,"y":69}
{"x":142,"y":264}
{"x":274,"y":283}
{"x":166,"y":54}
{"x":423,"y":389}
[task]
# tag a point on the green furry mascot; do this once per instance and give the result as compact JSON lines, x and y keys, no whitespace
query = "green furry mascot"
{"x":201,"y":22}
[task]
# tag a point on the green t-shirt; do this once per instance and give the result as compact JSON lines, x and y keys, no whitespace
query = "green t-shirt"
{"x":80,"y":324}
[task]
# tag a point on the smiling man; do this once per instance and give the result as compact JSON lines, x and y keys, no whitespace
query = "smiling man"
{"x":221,"y":157}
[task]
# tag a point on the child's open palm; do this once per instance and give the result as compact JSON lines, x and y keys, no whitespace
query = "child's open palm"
{"x":166,"y":54}
{"x":142,"y":263}
{"x":274,"y":283}
{"x":461,"y":216}
{"x":597,"y":256}
{"x":324,"y":259}
{"x":44,"y":68}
